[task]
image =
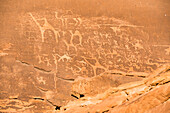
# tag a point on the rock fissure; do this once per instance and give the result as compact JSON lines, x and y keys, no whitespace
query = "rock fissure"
{"x":36,"y":98}
{"x":69,"y":80}
{"x":35,"y":67}
{"x":133,"y":92}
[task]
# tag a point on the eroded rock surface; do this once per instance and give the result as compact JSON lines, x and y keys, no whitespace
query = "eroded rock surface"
{"x":58,"y":60}
{"x":147,"y":95}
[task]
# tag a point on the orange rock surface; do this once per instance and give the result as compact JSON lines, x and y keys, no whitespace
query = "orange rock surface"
{"x":84,"y":56}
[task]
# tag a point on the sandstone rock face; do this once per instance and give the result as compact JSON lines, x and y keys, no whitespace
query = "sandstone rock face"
{"x":55,"y":59}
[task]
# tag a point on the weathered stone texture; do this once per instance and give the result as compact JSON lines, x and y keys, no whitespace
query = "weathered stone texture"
{"x":56,"y":55}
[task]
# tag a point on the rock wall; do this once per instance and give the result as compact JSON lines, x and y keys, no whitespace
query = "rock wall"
{"x":55,"y":59}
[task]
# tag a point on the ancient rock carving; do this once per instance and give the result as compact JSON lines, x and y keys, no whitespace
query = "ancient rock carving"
{"x":56,"y":60}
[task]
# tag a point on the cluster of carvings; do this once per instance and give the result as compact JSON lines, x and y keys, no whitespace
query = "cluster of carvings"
{"x":64,"y":56}
{"x":87,"y":47}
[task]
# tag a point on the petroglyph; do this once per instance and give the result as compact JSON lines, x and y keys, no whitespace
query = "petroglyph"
{"x":3,"y":54}
{"x":45,"y":26}
{"x":41,"y":80}
{"x":64,"y":57}
{"x":76,"y":33}
{"x":97,"y":56}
